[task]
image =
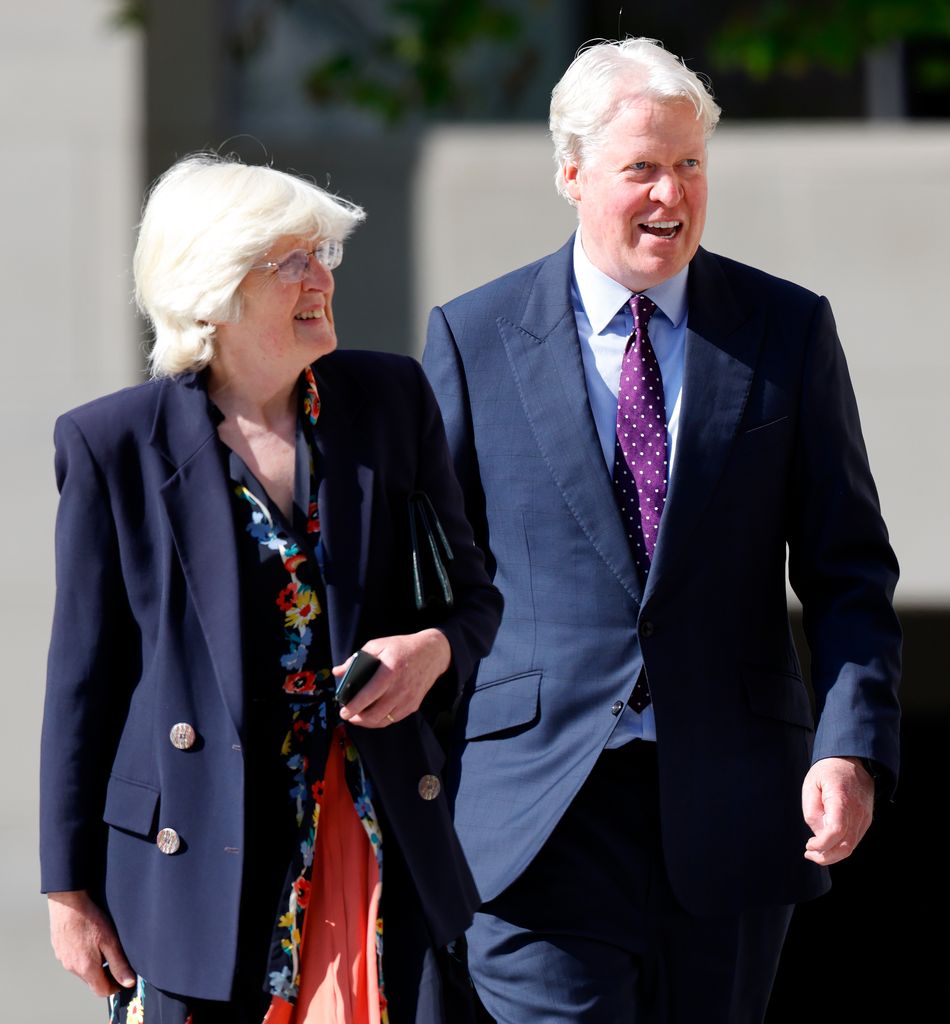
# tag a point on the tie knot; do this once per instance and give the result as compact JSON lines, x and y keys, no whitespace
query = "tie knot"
{"x":643,"y":308}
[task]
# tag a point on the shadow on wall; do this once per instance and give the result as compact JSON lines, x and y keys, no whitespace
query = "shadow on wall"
{"x":863,"y":954}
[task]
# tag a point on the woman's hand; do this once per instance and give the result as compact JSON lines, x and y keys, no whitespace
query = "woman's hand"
{"x":411,"y":663}
{"x":84,"y":942}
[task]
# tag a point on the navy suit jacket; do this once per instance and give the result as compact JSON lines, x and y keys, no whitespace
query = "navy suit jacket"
{"x":147,"y":633}
{"x":770,"y":458}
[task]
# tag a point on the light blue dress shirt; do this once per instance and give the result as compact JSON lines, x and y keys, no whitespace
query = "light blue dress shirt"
{"x":604,"y":323}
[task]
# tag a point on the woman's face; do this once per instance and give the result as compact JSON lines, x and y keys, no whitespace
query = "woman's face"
{"x":282,"y":324}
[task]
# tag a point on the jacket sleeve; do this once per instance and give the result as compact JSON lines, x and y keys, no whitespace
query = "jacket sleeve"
{"x":842,"y":567}
{"x":473,"y":621}
{"x":94,"y":657}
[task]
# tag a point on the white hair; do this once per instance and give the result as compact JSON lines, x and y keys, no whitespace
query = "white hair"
{"x":601,"y":78}
{"x":207,"y":220}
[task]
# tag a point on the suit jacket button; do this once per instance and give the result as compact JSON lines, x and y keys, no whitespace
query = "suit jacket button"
{"x":182,"y":736}
{"x":616,"y":707}
{"x":429,"y":787}
{"x":168,"y":841}
{"x":646,"y":628}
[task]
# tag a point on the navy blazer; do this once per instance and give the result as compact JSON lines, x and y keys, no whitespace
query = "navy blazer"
{"x":769,"y":457}
{"x":147,"y":633}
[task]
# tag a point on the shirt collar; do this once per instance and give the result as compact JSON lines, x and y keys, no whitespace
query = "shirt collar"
{"x":602,"y":296}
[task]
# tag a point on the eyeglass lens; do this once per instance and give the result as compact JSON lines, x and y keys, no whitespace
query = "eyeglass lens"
{"x":293,"y":268}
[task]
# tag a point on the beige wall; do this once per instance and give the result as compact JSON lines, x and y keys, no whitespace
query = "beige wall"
{"x":860,"y":214}
{"x":69,"y":194}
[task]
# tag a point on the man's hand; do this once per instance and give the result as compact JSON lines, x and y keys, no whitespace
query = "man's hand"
{"x":84,"y":941}
{"x":837,"y":802}
{"x":411,"y":663}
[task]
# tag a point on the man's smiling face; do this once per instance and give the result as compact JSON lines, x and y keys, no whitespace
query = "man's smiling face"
{"x":641,"y":193}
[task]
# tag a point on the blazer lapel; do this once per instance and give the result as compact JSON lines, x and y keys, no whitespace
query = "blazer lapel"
{"x":199,"y":513}
{"x":722,"y":346}
{"x":545,"y":358}
{"x":345,"y":499}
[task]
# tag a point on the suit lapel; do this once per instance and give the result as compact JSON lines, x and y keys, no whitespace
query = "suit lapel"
{"x":722,"y":346}
{"x":199,"y":513}
{"x":345,"y":499}
{"x":545,"y":358}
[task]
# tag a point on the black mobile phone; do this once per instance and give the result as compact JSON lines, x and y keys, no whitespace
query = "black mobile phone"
{"x":361,"y":670}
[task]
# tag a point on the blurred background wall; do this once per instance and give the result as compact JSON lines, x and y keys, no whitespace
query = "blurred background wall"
{"x":71,"y":130}
{"x":831,"y":167}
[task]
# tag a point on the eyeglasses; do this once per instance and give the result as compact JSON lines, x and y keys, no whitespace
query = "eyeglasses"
{"x":292,"y":269}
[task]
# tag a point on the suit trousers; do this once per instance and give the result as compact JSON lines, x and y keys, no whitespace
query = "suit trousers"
{"x":591,"y":932}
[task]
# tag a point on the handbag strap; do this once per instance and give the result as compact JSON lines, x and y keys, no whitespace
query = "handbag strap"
{"x":422,"y":516}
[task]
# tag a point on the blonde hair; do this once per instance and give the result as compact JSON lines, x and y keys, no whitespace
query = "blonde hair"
{"x":206,"y":221}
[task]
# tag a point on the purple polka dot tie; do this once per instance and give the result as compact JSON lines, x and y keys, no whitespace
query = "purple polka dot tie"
{"x":640,"y":455}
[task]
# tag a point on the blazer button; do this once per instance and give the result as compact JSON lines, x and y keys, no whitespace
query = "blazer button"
{"x":429,"y":787}
{"x":616,"y":707}
{"x":168,"y":841}
{"x":182,"y":736}
{"x":646,"y":628}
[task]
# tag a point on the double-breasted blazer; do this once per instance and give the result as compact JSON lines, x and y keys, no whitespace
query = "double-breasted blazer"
{"x":770,"y":461}
{"x":147,"y":634}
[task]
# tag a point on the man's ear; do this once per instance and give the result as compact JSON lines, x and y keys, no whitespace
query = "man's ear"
{"x":572,"y":184}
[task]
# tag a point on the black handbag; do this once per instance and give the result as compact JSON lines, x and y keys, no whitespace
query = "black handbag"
{"x":431,"y":586}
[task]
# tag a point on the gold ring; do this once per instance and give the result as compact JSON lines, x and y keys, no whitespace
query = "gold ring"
{"x":390,"y":717}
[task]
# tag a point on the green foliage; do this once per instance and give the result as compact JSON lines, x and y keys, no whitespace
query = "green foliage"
{"x":394,"y":58}
{"x":129,"y":14}
{"x":412,"y":62}
{"x":792,"y":36}
{"x":932,"y":74}
{"x":390,"y":57}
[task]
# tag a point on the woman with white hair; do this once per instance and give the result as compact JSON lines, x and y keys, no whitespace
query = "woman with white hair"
{"x":225,"y":837}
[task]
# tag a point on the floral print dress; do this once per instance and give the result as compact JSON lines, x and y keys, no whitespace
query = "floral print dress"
{"x":303,"y":720}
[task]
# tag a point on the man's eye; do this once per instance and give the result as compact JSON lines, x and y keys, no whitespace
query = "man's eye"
{"x":691,"y":162}
{"x":640,"y":165}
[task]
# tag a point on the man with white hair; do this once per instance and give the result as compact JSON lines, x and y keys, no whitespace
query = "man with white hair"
{"x":643,"y":431}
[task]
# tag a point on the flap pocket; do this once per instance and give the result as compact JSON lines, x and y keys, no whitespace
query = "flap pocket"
{"x":778,"y":694}
{"x":130,"y":805}
{"x":503,"y":704}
